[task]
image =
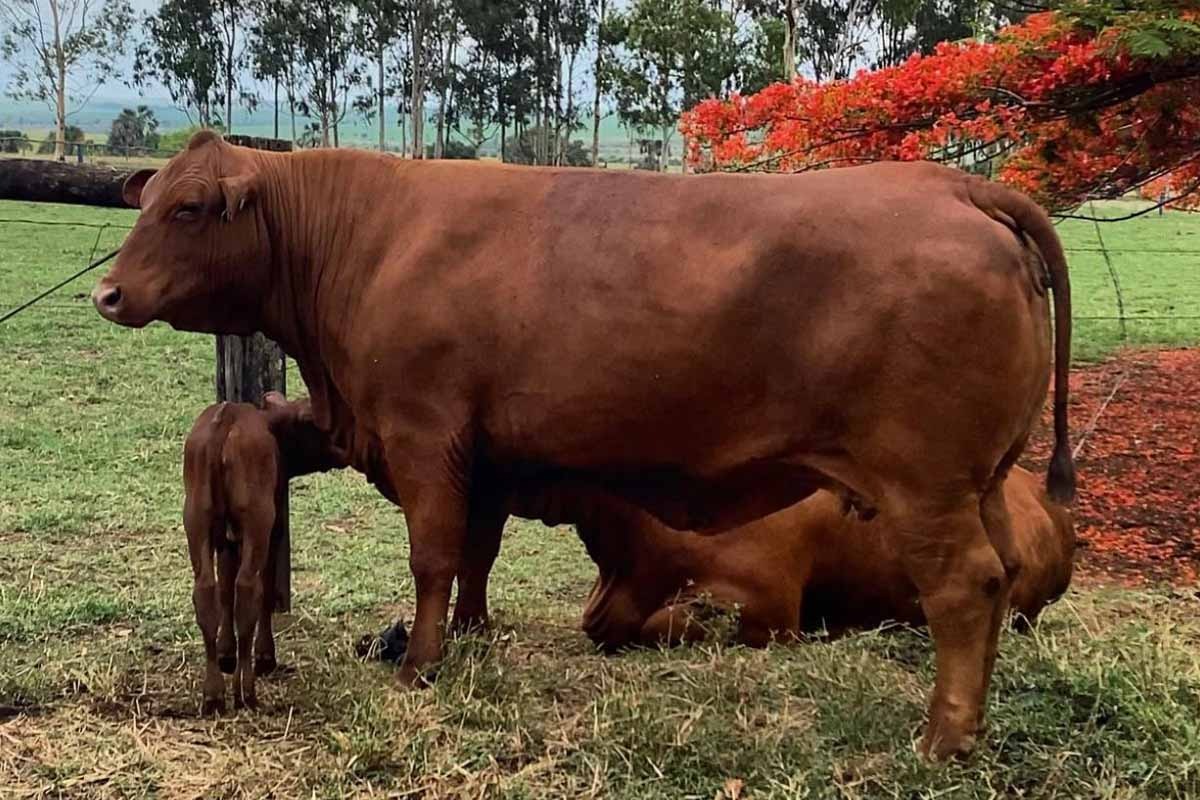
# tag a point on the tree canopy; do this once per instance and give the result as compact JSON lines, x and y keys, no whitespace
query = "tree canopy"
{"x":1091,"y":101}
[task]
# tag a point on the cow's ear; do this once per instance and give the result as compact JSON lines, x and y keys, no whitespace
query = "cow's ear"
{"x":131,"y":191}
{"x":239,"y":191}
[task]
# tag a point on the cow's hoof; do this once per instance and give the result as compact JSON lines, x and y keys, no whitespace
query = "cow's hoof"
{"x":212,"y":706}
{"x":470,"y":625}
{"x":940,"y":744}
{"x":409,"y":677}
{"x":227,"y":664}
{"x":248,"y":701}
{"x":264,"y":665}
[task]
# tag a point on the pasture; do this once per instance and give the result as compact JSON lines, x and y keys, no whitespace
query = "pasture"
{"x":100,"y":658}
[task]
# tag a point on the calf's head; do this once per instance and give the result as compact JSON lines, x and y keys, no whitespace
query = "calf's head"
{"x":305,"y":447}
{"x":197,"y":258}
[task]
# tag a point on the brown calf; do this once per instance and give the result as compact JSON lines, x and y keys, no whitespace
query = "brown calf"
{"x":806,"y":568}
{"x":236,"y":464}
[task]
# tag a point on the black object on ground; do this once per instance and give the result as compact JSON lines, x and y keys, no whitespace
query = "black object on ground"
{"x":390,"y":645}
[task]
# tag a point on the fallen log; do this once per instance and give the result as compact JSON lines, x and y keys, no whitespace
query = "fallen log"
{"x":44,"y":181}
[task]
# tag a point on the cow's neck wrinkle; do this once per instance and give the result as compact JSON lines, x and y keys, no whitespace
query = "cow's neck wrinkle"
{"x":310,"y":228}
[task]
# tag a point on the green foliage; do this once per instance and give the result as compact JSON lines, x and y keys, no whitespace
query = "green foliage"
{"x":454,"y":149}
{"x":1163,"y":39}
{"x":134,"y":131}
{"x":670,"y":54}
{"x":14,"y":142}
{"x":176,"y":140}
{"x":85,"y":38}
{"x":182,"y":51}
{"x":72,"y":134}
{"x":526,"y":149}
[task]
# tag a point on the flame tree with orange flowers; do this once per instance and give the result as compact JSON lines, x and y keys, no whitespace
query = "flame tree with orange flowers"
{"x":1090,"y":101}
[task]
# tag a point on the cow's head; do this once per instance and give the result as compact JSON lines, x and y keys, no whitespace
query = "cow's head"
{"x":197,"y":256}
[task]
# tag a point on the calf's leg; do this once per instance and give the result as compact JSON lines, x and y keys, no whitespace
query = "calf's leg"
{"x":227,"y":567}
{"x":249,"y":600}
{"x":962,"y":585}
{"x":264,"y":635}
{"x":199,"y":526}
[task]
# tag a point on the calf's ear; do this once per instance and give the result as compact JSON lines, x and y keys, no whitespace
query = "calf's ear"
{"x":274,"y":400}
{"x":131,"y":190}
{"x":239,"y":191}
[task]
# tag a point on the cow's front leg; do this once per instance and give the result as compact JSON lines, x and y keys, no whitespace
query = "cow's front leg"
{"x":437,"y":530}
{"x":485,"y":527}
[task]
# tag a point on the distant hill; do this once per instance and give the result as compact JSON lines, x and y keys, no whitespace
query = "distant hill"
{"x":96,"y":118}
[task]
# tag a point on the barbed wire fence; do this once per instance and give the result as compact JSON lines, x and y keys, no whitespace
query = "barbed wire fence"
{"x":1144,"y":292}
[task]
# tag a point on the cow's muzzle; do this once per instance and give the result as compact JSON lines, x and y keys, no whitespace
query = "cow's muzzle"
{"x":109,"y":300}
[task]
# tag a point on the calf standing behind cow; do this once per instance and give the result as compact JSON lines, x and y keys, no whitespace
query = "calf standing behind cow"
{"x":236,"y":464}
{"x":807,"y":568}
{"x":712,"y":349}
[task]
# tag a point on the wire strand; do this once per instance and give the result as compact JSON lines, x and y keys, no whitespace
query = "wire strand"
{"x":59,"y":285}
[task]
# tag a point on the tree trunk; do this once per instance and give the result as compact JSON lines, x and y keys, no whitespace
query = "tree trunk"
{"x":789,"y":41}
{"x":36,"y":180}
{"x":229,"y":68}
{"x":417,"y":100}
{"x":596,"y":99}
{"x":499,"y":101}
{"x":382,"y":97}
{"x":60,"y":87}
{"x":564,"y":139}
{"x":275,"y":102}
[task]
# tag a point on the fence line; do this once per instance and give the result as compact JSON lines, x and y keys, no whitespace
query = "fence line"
{"x":1112,"y":273}
{"x":1125,"y":314}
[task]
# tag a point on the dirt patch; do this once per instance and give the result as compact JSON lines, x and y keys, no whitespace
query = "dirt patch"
{"x":1138,"y":509}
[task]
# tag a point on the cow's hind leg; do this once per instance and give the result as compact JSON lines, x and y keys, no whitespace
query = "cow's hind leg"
{"x":962,"y":585}
{"x":484,"y":532}
{"x":998,"y":524}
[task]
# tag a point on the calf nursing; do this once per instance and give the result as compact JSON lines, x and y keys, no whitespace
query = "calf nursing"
{"x":236,"y":464}
{"x":808,"y":568}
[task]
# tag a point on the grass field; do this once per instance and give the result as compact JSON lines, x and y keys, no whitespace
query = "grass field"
{"x":100,"y":658}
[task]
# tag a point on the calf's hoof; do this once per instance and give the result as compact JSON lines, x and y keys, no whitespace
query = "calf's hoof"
{"x":227,"y":664}
{"x":212,"y":706}
{"x":264,"y":665}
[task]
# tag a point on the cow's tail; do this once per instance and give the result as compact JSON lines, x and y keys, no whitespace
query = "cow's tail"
{"x":1019,"y":212}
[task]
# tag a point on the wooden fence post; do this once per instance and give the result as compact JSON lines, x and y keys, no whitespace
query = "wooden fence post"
{"x":247,"y":368}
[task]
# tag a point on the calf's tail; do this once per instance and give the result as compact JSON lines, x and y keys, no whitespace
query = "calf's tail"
{"x":1019,"y":212}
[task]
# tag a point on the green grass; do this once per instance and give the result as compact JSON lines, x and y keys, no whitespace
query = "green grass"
{"x":100,"y":654}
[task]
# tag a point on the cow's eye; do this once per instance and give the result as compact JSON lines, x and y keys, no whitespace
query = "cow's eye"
{"x":188,"y":211}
